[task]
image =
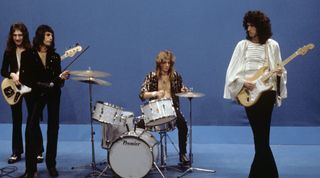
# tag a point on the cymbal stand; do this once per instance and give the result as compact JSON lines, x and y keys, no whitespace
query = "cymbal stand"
{"x":102,"y":173}
{"x":95,"y":171}
{"x":191,"y":169}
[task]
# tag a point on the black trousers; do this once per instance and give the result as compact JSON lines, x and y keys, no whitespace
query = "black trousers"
{"x":182,"y":132}
{"x":259,"y":115}
{"x":36,"y":105}
{"x":17,"y":142}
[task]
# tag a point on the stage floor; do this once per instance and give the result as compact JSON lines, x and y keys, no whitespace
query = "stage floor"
{"x":227,"y":150}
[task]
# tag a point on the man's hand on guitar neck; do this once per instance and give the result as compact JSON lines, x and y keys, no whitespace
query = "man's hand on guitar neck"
{"x":279,"y":70}
{"x":15,"y":78}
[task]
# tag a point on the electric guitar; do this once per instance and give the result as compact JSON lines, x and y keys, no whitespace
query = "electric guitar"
{"x":12,"y":92}
{"x":247,"y":97}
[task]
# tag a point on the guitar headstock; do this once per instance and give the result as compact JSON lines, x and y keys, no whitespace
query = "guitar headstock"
{"x":302,"y":51}
{"x":71,"y":52}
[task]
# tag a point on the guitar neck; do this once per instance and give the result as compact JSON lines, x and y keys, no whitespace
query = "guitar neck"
{"x":290,"y":58}
{"x":285,"y":62}
{"x":63,"y":57}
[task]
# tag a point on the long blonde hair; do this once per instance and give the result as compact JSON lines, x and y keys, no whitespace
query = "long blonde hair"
{"x":165,"y":55}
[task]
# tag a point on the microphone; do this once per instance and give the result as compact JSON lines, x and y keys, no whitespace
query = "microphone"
{"x":46,"y":85}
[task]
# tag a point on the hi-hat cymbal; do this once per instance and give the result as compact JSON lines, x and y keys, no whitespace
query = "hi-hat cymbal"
{"x":89,"y":73}
{"x":92,"y":80}
{"x":190,"y":94}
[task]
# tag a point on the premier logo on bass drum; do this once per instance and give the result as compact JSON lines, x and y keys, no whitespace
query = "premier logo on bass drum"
{"x":125,"y":142}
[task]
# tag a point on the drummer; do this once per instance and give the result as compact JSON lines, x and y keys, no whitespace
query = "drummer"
{"x":165,"y":82}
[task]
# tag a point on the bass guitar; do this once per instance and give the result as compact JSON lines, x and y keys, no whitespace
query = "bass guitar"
{"x":12,"y":92}
{"x":247,"y":97}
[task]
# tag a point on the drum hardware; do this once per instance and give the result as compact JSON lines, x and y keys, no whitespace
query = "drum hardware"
{"x":163,"y":152}
{"x":190,"y":95}
{"x":93,"y":165}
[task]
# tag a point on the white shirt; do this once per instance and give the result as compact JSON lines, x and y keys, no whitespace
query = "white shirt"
{"x":246,"y":59}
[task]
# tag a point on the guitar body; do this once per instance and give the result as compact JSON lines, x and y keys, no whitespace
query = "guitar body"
{"x":248,"y":98}
{"x":11,"y":92}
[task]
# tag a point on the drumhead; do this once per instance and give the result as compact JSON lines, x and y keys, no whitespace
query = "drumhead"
{"x":130,"y":156}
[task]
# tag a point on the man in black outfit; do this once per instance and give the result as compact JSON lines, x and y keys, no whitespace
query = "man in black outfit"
{"x":41,"y":71}
{"x":18,"y":41}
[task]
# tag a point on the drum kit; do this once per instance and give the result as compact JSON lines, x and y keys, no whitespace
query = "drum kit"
{"x":132,"y":151}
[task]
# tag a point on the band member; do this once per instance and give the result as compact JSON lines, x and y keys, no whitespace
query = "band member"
{"x":165,"y":82}
{"x":18,"y":41}
{"x":256,"y":51}
{"x":41,"y":71}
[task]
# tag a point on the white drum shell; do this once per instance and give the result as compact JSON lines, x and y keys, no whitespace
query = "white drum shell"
{"x":159,"y":111}
{"x":108,"y":113}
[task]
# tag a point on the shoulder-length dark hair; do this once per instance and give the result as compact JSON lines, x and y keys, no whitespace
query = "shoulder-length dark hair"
{"x":11,"y":46}
{"x":262,"y":23}
{"x":165,"y":55}
{"x":39,"y":37}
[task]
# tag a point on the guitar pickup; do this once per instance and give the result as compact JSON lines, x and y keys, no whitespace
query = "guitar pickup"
{"x":9,"y":91}
{"x":16,"y":98}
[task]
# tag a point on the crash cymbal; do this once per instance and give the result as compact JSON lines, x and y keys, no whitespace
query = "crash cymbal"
{"x":190,"y":94}
{"x":92,"y":80}
{"x":89,"y":73}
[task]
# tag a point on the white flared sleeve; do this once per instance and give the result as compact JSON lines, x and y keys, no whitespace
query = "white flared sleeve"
{"x":234,"y":75}
{"x":275,"y":49}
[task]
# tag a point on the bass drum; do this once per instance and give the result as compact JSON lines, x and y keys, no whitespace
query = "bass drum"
{"x":133,"y":154}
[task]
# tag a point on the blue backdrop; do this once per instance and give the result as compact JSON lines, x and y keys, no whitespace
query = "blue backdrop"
{"x":125,"y":36}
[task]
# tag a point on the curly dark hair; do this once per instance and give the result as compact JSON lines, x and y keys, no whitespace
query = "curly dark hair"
{"x":39,"y":37}
{"x":262,"y":23}
{"x":11,"y":46}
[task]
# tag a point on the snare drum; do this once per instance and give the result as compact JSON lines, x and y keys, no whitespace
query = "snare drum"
{"x":108,"y":113}
{"x":133,"y":154}
{"x":158,"y":112}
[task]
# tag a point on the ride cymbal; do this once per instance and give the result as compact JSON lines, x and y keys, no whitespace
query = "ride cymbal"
{"x":89,"y":73}
{"x":190,"y":94}
{"x":92,"y":80}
